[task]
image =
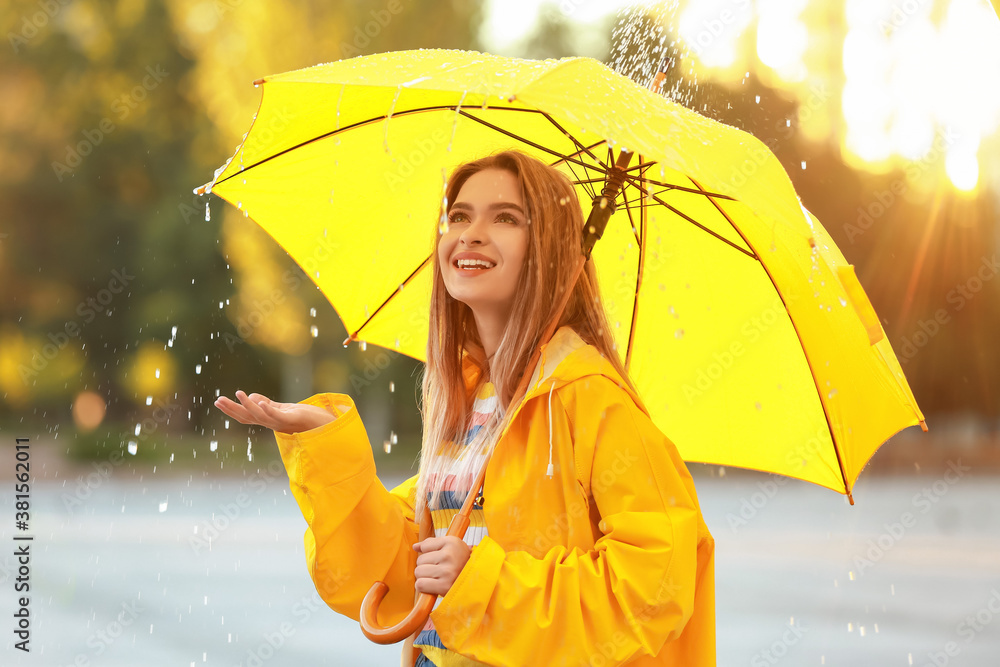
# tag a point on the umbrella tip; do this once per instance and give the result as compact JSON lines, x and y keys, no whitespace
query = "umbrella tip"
{"x":850,"y":497}
{"x":923,"y":426}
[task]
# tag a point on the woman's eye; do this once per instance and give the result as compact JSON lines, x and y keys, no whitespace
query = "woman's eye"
{"x":508,"y":217}
{"x":453,"y":218}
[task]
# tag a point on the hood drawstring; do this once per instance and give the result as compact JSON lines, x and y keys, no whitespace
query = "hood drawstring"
{"x":549,"y":470}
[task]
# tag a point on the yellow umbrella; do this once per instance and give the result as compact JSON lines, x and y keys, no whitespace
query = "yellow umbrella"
{"x":742,"y":324}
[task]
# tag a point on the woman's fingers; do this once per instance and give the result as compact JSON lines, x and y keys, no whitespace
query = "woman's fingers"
{"x":258,"y":414}
{"x":234,"y":410}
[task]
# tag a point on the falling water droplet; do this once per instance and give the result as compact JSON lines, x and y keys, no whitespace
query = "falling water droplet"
{"x":163,"y":506}
{"x":213,"y":445}
{"x":197,"y":369}
{"x":679,"y":333}
{"x":364,"y":346}
{"x":149,"y":400}
{"x":208,"y":212}
{"x":312,"y":312}
{"x":133,"y":447}
{"x":314,"y":330}
{"x":833,"y":392}
{"x":249,"y":450}
{"x":392,"y":387}
{"x":157,"y":373}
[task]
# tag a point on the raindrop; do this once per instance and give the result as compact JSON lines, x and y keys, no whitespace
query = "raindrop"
{"x":314,"y":330}
{"x":833,"y":392}
{"x":679,"y":333}
{"x":843,"y":301}
{"x":149,"y":400}
{"x":208,"y":212}
{"x":758,"y":99}
{"x":386,"y":446}
{"x":213,"y":445}
{"x":364,"y":346}
{"x":249,"y":450}
{"x":227,"y":423}
{"x":197,"y":369}
{"x":138,"y":428}
{"x":157,"y":373}
{"x":803,"y":165}
{"x":312,"y":312}
{"x":392,"y":387}
{"x":163,"y":506}
{"x":133,"y":447}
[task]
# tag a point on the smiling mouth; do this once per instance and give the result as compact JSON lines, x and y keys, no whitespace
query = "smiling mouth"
{"x":473,"y":266}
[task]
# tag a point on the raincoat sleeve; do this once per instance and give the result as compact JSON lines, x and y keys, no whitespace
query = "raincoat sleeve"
{"x":358,"y":532}
{"x":629,"y":594}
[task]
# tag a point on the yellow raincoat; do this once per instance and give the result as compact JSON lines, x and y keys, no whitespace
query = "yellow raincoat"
{"x":607,"y":562}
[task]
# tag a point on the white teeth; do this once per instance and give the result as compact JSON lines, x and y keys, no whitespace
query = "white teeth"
{"x":474,"y":263}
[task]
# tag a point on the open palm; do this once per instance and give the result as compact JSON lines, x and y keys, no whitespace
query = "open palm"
{"x":284,"y":417}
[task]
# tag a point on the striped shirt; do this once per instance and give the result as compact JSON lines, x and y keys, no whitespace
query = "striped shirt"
{"x":454,"y":493}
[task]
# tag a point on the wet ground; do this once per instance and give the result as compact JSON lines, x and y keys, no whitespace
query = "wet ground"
{"x":125,"y":574}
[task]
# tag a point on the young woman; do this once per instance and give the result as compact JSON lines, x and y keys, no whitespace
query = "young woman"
{"x":588,"y":547}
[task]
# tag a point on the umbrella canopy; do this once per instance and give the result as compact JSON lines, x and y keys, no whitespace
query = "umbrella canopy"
{"x":740,"y":321}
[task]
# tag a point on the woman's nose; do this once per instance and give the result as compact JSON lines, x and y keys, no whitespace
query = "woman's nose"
{"x":473,"y":234}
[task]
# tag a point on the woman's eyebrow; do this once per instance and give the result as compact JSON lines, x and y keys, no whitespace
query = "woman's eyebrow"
{"x":497,"y":205}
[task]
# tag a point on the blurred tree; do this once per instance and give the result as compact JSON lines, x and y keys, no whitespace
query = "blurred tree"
{"x":112,"y":278}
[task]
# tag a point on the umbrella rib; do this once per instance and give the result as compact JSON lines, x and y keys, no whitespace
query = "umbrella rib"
{"x":692,"y":220}
{"x":567,"y":158}
{"x":706,"y":193}
{"x":407,"y":112}
{"x":354,"y":336}
{"x":829,"y":426}
{"x":580,"y":143}
{"x":639,"y":272}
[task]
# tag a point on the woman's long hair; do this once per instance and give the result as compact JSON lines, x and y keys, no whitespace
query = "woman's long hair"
{"x":555,"y":237}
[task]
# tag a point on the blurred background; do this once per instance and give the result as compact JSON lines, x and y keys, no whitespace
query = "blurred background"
{"x":128,"y":304}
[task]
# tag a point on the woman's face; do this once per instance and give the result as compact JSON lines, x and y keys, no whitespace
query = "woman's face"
{"x":487,"y":222}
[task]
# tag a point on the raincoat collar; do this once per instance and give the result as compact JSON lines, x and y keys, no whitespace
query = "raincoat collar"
{"x":565,"y":358}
